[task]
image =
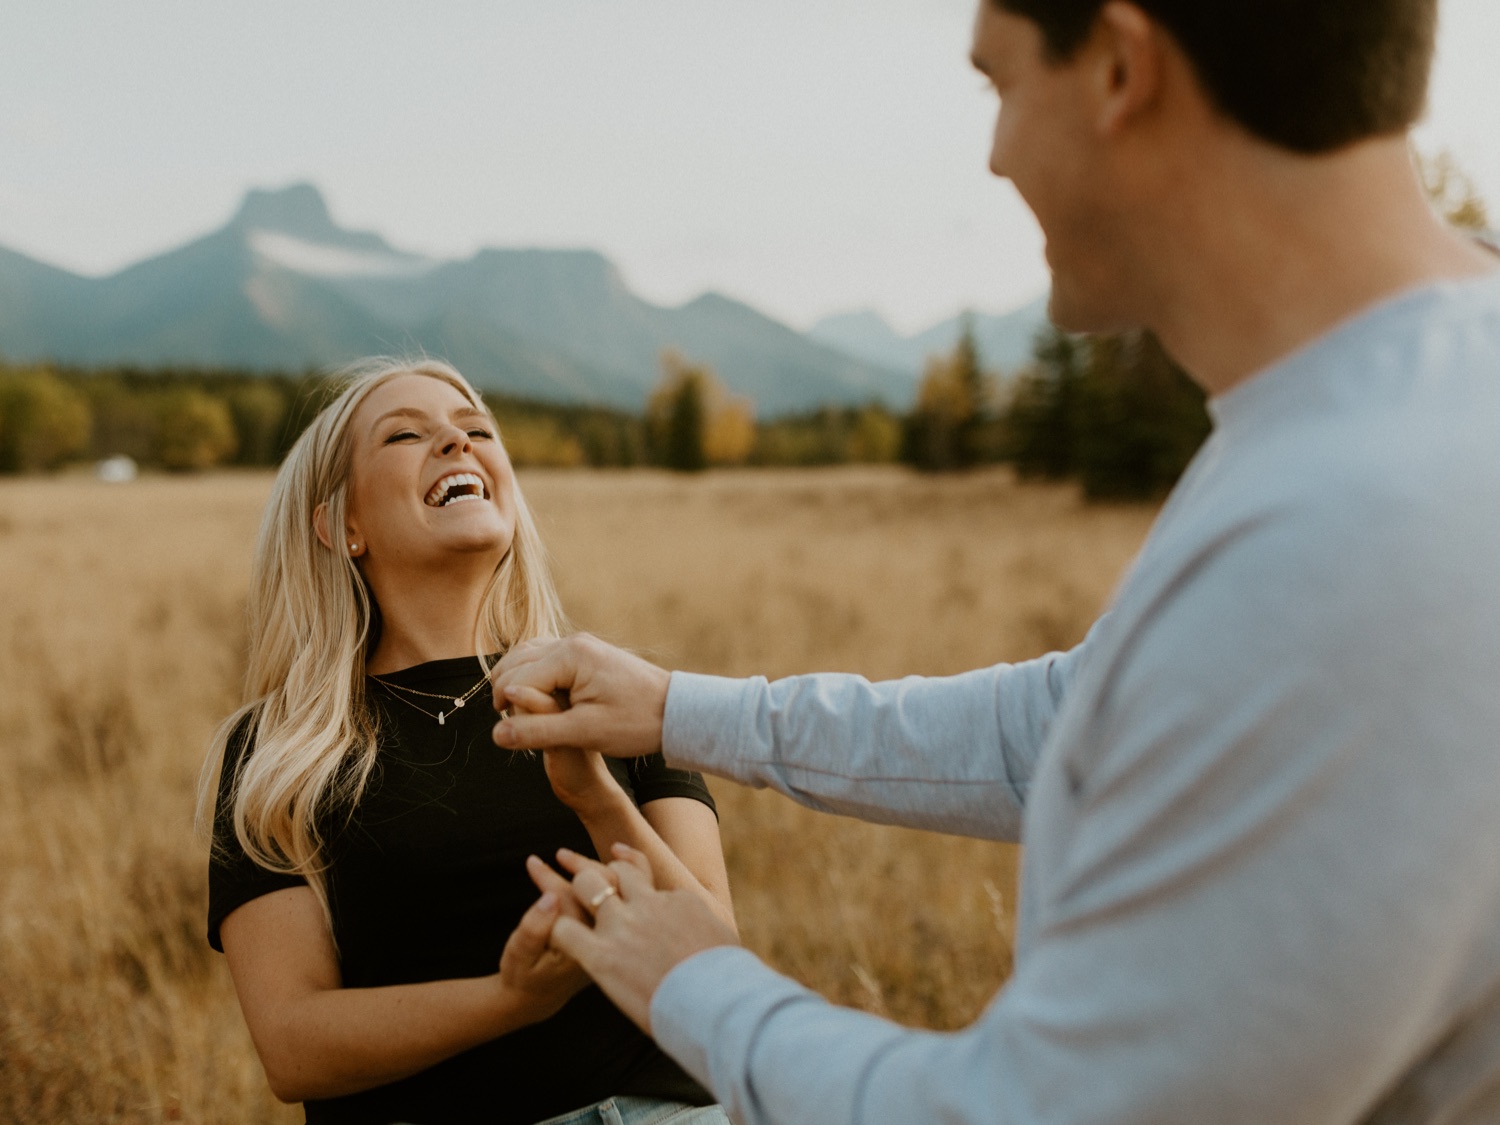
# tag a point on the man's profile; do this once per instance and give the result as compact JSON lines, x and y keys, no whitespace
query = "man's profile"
{"x":1262,"y":868}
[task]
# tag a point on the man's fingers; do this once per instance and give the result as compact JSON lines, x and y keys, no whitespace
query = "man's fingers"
{"x":539,"y":732}
{"x":632,"y":855}
{"x":634,"y":877}
{"x":545,"y":666}
{"x":530,"y":700}
{"x":576,"y":940}
{"x":593,"y":883}
{"x":593,"y":889}
{"x":520,"y":653}
{"x":581,"y":865}
{"x":523,"y":665}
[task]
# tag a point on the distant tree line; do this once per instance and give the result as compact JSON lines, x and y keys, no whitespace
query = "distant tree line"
{"x":184,"y":419}
{"x":178,"y":419}
{"x":1115,"y":414}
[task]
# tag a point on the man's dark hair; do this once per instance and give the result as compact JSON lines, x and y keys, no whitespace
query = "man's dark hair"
{"x":1308,"y":75}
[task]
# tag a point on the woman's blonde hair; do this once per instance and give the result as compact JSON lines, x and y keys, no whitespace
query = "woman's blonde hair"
{"x":310,"y":626}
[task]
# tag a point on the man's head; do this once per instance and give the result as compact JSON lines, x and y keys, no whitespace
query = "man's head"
{"x":1307,"y":75}
{"x":1123,"y":121}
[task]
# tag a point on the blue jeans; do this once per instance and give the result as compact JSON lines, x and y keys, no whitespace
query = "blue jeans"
{"x":641,"y":1111}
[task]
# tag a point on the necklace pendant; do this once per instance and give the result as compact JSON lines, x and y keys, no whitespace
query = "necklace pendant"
{"x":458,"y":703}
{"x":441,"y":716}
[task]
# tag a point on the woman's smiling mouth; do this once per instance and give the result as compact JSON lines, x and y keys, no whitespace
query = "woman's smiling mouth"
{"x":455,"y":487}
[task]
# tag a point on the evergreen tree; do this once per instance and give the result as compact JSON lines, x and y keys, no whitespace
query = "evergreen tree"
{"x":693,"y":421}
{"x":684,"y":444}
{"x":1040,"y":425}
{"x":1141,"y":418}
{"x":948,"y":428}
{"x":1113,"y":411}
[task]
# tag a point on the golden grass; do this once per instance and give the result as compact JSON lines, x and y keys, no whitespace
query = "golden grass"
{"x":120,"y":647}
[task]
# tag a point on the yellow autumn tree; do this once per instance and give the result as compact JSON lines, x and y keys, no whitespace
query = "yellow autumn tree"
{"x":693,"y":420}
{"x":1452,"y":192}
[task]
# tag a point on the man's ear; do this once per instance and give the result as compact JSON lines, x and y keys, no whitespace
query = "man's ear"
{"x":1129,"y":48}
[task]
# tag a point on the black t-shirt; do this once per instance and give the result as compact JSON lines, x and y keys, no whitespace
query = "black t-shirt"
{"x":426,"y":881}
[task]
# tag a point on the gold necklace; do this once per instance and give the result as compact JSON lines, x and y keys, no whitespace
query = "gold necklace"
{"x":441,"y":717}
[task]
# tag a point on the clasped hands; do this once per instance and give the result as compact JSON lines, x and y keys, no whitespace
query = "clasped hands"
{"x":609,"y":918}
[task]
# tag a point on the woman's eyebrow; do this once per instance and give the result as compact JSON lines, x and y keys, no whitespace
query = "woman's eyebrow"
{"x":463,"y":412}
{"x":399,"y":412}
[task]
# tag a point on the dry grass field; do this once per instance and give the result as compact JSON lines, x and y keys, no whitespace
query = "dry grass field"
{"x":120,"y":647}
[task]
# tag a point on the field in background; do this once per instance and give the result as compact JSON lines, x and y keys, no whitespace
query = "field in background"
{"x":120,"y":642}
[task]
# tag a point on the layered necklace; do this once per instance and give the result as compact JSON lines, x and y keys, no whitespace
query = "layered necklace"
{"x":458,"y":701}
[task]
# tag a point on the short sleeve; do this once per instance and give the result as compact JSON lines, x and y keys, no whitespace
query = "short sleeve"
{"x":652,"y":779}
{"x":233,"y":877}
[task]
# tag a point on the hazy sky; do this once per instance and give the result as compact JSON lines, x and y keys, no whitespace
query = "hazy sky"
{"x":809,"y":156}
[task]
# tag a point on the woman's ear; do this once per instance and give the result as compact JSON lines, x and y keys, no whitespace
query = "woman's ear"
{"x":320,"y":525}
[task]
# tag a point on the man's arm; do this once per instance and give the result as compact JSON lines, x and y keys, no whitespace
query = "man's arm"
{"x":1234,"y":948}
{"x":1266,"y":883}
{"x":953,"y":753}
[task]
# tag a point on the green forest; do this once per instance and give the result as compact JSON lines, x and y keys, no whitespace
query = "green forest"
{"x":1114,"y":413}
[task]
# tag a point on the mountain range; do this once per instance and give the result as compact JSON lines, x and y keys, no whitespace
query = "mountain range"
{"x":282,"y":287}
{"x":1004,"y":342}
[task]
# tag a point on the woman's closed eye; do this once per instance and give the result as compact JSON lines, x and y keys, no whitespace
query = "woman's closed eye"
{"x":401,"y":435}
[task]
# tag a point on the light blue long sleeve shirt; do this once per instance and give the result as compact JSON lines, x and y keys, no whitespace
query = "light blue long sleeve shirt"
{"x":1260,"y":802}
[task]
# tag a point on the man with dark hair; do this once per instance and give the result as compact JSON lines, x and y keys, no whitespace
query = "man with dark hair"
{"x":1308,"y":77}
{"x":1261,"y":800}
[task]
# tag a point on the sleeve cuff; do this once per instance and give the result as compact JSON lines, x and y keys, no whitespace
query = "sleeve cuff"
{"x":772,"y":1051}
{"x":699,"y":1001}
{"x":705,"y":721}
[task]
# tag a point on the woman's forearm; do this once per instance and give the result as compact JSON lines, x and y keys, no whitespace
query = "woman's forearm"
{"x":338,"y":1041}
{"x":318,"y":1039}
{"x":615,"y":819}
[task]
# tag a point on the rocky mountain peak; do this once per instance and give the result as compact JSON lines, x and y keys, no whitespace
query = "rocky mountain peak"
{"x":298,"y":209}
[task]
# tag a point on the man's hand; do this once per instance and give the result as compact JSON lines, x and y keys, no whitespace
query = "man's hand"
{"x":640,"y":934}
{"x":615,"y":701}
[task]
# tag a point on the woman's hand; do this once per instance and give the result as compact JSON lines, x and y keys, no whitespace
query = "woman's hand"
{"x":318,"y":1039}
{"x":537,"y":978}
{"x":581,"y":780}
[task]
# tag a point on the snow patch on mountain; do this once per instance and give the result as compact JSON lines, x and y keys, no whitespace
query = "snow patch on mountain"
{"x":317,"y":259}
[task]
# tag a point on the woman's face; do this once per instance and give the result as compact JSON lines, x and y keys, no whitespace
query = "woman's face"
{"x":430,"y":481}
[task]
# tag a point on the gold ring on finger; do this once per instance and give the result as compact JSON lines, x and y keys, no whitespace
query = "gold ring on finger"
{"x":598,"y":900}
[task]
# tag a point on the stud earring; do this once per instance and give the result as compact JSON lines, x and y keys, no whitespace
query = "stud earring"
{"x":353,"y":548}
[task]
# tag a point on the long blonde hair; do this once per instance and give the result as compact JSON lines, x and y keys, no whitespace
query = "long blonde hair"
{"x":310,"y":618}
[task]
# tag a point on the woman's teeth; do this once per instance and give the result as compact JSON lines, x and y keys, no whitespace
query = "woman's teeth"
{"x":455,"y":487}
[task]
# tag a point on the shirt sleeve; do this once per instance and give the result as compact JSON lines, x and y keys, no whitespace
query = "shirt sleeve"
{"x":233,"y":877}
{"x":953,"y":753}
{"x":651,"y":779}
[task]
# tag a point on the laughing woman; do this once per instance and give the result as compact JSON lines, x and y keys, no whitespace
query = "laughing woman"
{"x":370,"y":883}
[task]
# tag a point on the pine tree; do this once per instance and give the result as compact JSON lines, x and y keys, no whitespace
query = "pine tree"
{"x":684,"y":438}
